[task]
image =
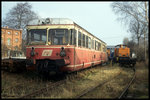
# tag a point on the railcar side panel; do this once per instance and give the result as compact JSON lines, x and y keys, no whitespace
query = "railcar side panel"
{"x":86,"y":58}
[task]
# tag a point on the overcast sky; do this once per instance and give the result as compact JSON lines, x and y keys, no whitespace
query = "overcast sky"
{"x":96,"y":17}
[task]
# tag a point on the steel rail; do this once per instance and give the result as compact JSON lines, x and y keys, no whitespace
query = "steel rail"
{"x":45,"y":88}
{"x":127,"y":87}
{"x":99,"y":85}
{"x":36,"y":92}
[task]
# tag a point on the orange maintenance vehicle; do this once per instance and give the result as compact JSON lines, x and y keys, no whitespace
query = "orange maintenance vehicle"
{"x":122,"y":55}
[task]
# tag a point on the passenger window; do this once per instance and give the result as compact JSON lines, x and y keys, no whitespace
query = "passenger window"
{"x":89,"y":43}
{"x":95,"y":44}
{"x":92,"y":44}
{"x":83,"y":40}
{"x":86,"y":41}
{"x":71,"y":37}
{"x":75,"y":37}
{"x":99,"y":45}
{"x":79,"y":39}
{"x":104,"y":48}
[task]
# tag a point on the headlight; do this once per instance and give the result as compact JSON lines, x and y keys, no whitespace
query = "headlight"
{"x":32,"y":53}
{"x":62,"y":53}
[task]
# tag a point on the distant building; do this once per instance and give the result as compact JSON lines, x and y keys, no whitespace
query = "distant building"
{"x":11,"y":42}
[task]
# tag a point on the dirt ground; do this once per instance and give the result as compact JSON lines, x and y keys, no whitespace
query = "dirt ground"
{"x":83,"y":81}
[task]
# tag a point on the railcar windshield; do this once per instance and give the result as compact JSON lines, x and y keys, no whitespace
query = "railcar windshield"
{"x":58,"y":36}
{"x":37,"y":36}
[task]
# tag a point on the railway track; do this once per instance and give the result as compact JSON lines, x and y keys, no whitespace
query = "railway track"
{"x":51,"y":86}
{"x":125,"y":91}
{"x":122,"y":94}
{"x":34,"y":93}
{"x":99,"y":85}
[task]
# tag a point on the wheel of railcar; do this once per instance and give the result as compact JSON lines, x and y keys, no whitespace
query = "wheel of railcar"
{"x":45,"y":65}
{"x":45,"y":69}
{"x":39,"y":67}
{"x":53,"y":70}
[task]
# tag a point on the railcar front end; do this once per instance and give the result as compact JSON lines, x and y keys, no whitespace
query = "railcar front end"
{"x":60,"y":45}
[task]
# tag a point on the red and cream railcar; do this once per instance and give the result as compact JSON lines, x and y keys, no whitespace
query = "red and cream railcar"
{"x":61,"y":45}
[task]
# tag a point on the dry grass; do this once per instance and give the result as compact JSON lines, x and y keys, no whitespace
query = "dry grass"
{"x":83,"y":80}
{"x":87,"y":79}
{"x":139,"y":89}
{"x":111,"y":89}
{"x":17,"y":85}
{"x":29,"y":81}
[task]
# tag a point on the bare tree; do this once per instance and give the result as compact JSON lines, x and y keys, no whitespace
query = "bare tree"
{"x":131,"y":10}
{"x":135,"y":16}
{"x":19,"y":16}
{"x":137,"y":30}
{"x":125,"y":41}
{"x":131,"y":44}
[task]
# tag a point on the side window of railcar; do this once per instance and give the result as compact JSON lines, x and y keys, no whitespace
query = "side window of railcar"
{"x":89,"y":43}
{"x":71,"y":36}
{"x":86,"y":41}
{"x":92,"y":44}
{"x":104,"y":48}
{"x":79,"y":38}
{"x":95,"y":44}
{"x":99,"y":45}
{"x":75,"y":37}
{"x":83,"y":40}
{"x":66,"y":39}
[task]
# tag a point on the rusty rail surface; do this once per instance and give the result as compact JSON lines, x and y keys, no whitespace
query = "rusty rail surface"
{"x":99,"y":85}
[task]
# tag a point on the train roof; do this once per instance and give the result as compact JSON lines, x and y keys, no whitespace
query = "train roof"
{"x":42,"y":21}
{"x":89,"y":33}
{"x":56,"y":21}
